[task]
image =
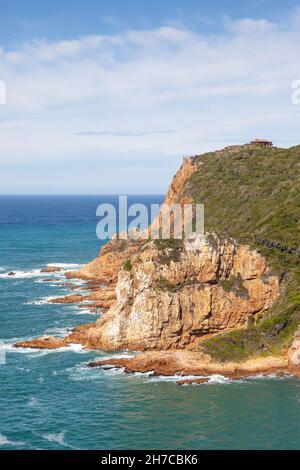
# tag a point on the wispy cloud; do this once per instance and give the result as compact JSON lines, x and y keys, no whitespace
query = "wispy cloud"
{"x":122,"y":133}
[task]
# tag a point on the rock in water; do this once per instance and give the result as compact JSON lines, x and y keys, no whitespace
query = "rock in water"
{"x":44,"y":342}
{"x":51,"y":269}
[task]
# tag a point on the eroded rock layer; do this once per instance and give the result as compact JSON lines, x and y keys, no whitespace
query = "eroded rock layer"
{"x":176,"y":292}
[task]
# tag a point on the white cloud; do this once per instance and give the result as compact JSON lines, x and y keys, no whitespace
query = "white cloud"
{"x":237,"y":83}
{"x":249,"y":26}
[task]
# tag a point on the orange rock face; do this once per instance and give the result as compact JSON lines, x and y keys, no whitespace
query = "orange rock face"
{"x":103,"y":298}
{"x":186,"y":363}
{"x":78,"y":335}
{"x":68,"y":299}
{"x":174,"y":299}
{"x":106,"y":266}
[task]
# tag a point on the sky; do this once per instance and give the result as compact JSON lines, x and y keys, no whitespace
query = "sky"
{"x":107,"y":97}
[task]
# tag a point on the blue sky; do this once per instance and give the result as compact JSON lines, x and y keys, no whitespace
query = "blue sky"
{"x":106,"y":97}
{"x":21,"y":20}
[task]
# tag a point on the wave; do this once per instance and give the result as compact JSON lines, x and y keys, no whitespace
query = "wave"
{"x":65,"y":265}
{"x":270,"y":376}
{"x":60,"y":331}
{"x":171,"y":378}
{"x":32,"y":273}
{"x":124,"y":355}
{"x":218,"y":379}
{"x":85,"y":311}
{"x":56,"y":437}
{"x":22,"y":274}
{"x":82,"y":373}
{"x":42,"y":301}
{"x":5,"y":441}
{"x":33,"y":402}
{"x":36,"y":352}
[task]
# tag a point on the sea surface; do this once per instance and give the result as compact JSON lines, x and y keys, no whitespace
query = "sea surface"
{"x":51,"y":400}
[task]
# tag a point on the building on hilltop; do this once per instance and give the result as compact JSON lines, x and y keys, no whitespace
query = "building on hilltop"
{"x":262,"y":143}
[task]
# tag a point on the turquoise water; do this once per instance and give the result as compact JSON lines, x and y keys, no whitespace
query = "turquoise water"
{"x":51,"y":400}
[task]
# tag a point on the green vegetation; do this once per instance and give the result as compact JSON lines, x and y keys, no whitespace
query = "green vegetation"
{"x":253,"y":195}
{"x":127,"y":266}
{"x":235,"y":285}
{"x":164,"y":284}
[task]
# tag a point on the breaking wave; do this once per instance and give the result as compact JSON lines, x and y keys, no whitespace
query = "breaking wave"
{"x":4,"y":441}
{"x":59,"y":438}
{"x":32,"y":273}
{"x":35,"y":352}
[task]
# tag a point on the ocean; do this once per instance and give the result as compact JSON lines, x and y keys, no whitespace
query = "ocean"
{"x":51,"y":400}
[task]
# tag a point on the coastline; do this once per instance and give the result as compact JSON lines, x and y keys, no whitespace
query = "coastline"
{"x":208,"y":304}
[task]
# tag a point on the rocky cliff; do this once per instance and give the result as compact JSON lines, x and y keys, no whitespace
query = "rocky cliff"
{"x":174,"y":295}
{"x":233,"y":294}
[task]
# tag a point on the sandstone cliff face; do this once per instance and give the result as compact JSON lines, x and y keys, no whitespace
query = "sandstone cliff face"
{"x":178,"y":293}
{"x":294,"y":354}
{"x":104,"y":269}
{"x":177,"y":186}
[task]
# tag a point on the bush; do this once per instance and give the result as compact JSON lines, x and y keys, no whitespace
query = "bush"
{"x":127,"y":266}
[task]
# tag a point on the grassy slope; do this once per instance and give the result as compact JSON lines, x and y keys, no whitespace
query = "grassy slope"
{"x":253,"y":195}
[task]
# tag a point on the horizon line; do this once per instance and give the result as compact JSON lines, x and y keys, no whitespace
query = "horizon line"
{"x":83,"y":194}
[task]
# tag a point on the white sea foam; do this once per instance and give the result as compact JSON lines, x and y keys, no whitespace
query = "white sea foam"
{"x":56,"y":437}
{"x":21,"y":274}
{"x":78,"y":348}
{"x":218,"y":379}
{"x":65,"y":265}
{"x":85,"y":311}
{"x":36,"y":273}
{"x":172,"y":378}
{"x":33,"y":402}
{"x":42,"y":301}
{"x":143,"y":374}
{"x":111,"y":369}
{"x":82,"y":373}
{"x":60,"y":331}
{"x":124,"y":355}
{"x":269,"y":376}
{"x":212,"y":379}
{"x":5,"y":441}
{"x":36,"y":352}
